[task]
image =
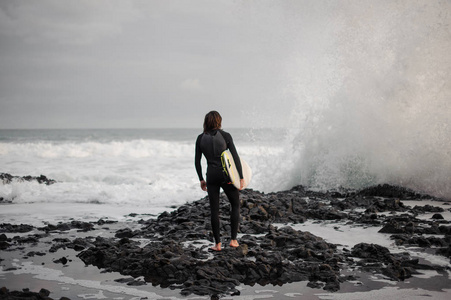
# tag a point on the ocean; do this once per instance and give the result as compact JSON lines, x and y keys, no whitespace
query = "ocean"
{"x":112,"y":172}
{"x":115,"y":172}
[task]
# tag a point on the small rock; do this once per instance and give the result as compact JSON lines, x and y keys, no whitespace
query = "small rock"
{"x":437,"y":217}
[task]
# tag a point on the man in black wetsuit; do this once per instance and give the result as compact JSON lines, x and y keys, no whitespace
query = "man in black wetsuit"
{"x":211,"y":143}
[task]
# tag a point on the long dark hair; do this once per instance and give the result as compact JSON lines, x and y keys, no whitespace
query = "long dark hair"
{"x":212,"y":121}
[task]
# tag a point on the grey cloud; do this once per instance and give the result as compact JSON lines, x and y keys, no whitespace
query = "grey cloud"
{"x":66,"y":22}
{"x":105,"y":63}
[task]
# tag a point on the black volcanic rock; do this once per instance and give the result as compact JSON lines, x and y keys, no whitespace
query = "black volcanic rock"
{"x":437,"y":217}
{"x":175,"y":257}
{"x":377,"y":258}
{"x":281,"y":256}
{"x":26,"y":294}
{"x":8,"y":178}
{"x":81,"y":226}
{"x":276,"y":256}
{"x":22,"y":228}
{"x":390,"y":191}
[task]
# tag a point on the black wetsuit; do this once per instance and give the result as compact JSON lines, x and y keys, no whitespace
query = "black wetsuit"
{"x":211,"y":145}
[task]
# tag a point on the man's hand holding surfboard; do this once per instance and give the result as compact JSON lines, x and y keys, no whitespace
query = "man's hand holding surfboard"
{"x":203,"y":185}
{"x":230,"y":169}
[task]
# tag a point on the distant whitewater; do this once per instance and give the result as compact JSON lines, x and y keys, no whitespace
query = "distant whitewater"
{"x":134,"y":167}
{"x":155,"y":167}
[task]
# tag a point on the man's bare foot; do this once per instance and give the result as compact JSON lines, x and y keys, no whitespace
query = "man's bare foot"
{"x":217,"y":247}
{"x":234,"y":243}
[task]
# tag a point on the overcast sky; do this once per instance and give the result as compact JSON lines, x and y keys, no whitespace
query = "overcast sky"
{"x":147,"y":63}
{"x":131,"y":63}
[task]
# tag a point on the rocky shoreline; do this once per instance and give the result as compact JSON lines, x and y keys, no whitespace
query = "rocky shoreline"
{"x":175,"y":254}
{"x":8,"y":178}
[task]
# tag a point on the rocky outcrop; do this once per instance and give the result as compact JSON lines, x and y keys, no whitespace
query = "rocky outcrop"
{"x":267,"y":255}
{"x":172,"y":250}
{"x":281,"y":256}
{"x":8,"y":178}
{"x":43,"y":294}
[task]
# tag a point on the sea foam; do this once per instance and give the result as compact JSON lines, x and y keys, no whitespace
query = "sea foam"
{"x":371,"y":98}
{"x":137,"y":171}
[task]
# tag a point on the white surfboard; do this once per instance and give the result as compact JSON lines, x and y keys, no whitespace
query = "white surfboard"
{"x":234,"y":176}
